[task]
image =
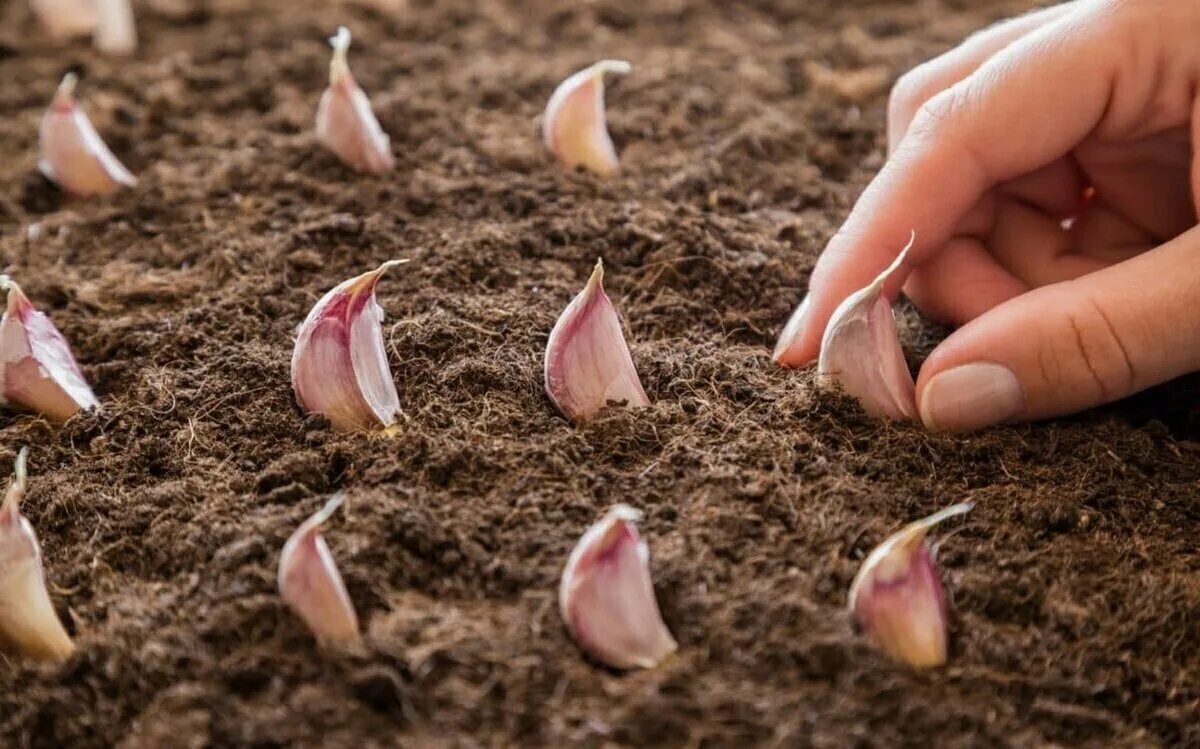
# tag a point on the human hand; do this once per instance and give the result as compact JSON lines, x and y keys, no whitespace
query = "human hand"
{"x":1086,"y":112}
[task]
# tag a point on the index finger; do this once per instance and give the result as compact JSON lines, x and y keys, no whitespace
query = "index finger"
{"x":1027,"y":106}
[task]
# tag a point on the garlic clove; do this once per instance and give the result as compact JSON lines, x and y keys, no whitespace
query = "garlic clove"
{"x":345,"y":123}
{"x":311,"y":585}
{"x":65,"y":19}
{"x":116,"y":32}
{"x":37,"y":370}
{"x":72,"y":154}
{"x":607,"y":599}
{"x":897,"y":597}
{"x":860,"y":351}
{"x":588,"y":362}
{"x":339,"y":366}
{"x":574,"y":126}
{"x":29,"y":624}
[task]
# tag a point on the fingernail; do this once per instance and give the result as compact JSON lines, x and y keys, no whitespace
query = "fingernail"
{"x":791,"y":331}
{"x":971,"y":396}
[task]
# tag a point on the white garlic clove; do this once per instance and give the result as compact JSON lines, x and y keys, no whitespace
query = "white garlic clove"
{"x":116,"y":32}
{"x":72,"y":154}
{"x":607,"y":599}
{"x":37,"y":370}
{"x":345,"y":123}
{"x":29,"y":624}
{"x":860,"y":351}
{"x":574,"y":127}
{"x":339,"y":366}
{"x":311,"y":585}
{"x":588,"y":362}
{"x":897,"y":597}
{"x":65,"y":19}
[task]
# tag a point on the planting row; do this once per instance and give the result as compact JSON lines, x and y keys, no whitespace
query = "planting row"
{"x":606,"y":596}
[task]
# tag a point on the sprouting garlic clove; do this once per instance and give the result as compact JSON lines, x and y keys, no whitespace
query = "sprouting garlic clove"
{"x":588,"y":362}
{"x":116,"y":32}
{"x":29,"y":624}
{"x":65,"y":19}
{"x":72,"y":154}
{"x":339,"y":366}
{"x":860,"y":351}
{"x":574,"y":127}
{"x":606,"y":596}
{"x":311,"y":585}
{"x":37,"y":370}
{"x":897,"y":597}
{"x":345,"y":123}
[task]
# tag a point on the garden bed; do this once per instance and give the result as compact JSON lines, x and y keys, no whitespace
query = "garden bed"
{"x":746,"y":129}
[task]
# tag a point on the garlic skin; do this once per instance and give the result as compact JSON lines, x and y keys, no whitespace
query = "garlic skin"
{"x":28,"y":623}
{"x":339,"y":366}
{"x":37,"y":370}
{"x":345,"y":123}
{"x":65,"y":19}
{"x":606,"y":597}
{"x":897,"y":597}
{"x":72,"y":154}
{"x":587,"y":361}
{"x":311,"y":585}
{"x":574,"y":127}
{"x":115,"y":32}
{"x":860,"y":351}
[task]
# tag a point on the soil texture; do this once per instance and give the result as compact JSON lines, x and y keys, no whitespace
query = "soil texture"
{"x":746,"y":130}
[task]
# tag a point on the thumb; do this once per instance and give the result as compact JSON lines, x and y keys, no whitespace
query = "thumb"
{"x":1069,"y":346}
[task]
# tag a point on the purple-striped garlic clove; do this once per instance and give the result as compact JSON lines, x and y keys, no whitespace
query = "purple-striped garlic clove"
{"x":311,"y":585}
{"x":65,"y":19}
{"x":897,"y":597}
{"x":607,"y":599}
{"x":339,"y":366}
{"x":345,"y":123}
{"x":574,"y":127}
{"x":861,"y":354}
{"x":72,"y":154}
{"x":29,"y":624}
{"x":37,"y":370}
{"x":116,"y":32}
{"x":588,"y":362}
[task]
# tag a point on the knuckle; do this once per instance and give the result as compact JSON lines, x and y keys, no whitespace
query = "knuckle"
{"x":939,"y":111}
{"x":1094,"y":353}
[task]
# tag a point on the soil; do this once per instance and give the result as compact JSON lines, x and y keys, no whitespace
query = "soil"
{"x":746,"y":130}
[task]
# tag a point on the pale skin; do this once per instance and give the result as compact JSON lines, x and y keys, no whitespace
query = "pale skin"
{"x":1088,"y":110}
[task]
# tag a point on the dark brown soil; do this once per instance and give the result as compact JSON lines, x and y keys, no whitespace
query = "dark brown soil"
{"x":746,"y":130}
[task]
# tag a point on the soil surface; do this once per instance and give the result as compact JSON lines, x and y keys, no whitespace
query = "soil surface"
{"x":746,"y":130}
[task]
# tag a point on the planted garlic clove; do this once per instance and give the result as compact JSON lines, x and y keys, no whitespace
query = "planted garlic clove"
{"x":311,"y":585}
{"x":339,"y":366}
{"x":116,"y":32}
{"x":574,"y":127}
{"x":65,"y":19}
{"x":345,"y":123}
{"x":897,"y":597}
{"x":860,"y":351}
{"x":607,"y":598}
{"x":72,"y":154}
{"x":28,"y":623}
{"x":588,"y":362}
{"x":37,"y":370}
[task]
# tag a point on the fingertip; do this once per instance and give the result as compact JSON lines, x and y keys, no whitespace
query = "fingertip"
{"x":969,"y":397}
{"x":791,"y":349}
